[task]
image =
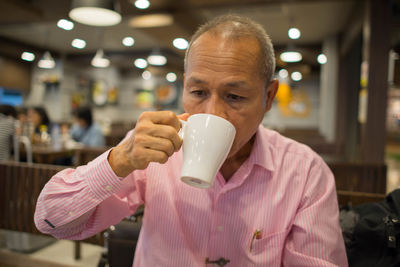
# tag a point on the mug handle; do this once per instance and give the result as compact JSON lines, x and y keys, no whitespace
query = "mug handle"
{"x":181,"y":132}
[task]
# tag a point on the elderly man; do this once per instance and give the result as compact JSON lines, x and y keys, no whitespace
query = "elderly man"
{"x":273,"y":202}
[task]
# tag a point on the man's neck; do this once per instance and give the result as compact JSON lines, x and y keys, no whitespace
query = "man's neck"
{"x":232,"y":164}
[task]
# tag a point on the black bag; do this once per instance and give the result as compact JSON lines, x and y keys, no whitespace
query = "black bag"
{"x":120,"y":242}
{"x":375,"y":238}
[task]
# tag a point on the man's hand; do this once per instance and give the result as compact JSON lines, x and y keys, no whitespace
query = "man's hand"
{"x":155,"y":139}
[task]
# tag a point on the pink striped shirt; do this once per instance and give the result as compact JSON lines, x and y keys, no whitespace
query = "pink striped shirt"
{"x":284,"y":190}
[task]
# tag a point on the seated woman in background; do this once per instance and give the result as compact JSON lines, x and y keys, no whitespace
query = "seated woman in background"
{"x":85,"y":131}
{"x":39,"y":118}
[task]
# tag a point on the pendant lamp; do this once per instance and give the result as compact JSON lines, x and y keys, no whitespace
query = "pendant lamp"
{"x":157,"y":59}
{"x":99,"y":60}
{"x":47,"y":61}
{"x":291,"y":54}
{"x":95,"y":12}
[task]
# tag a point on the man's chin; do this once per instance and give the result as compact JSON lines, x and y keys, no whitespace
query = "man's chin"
{"x":232,"y":153}
{"x":240,"y":152}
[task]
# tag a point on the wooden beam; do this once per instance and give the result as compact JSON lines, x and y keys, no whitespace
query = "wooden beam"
{"x":377,"y":45}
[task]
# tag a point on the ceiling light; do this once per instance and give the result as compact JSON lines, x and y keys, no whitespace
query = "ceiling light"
{"x":140,"y":63}
{"x":28,"y":56}
{"x":47,"y":61}
{"x":171,"y":77}
{"x":291,"y":56}
{"x":283,"y":73}
{"x":78,"y":43}
{"x":142,"y":4}
{"x":128,"y":41}
{"x":65,"y":24}
{"x":180,"y":43}
{"x":95,"y":12}
{"x":153,"y":20}
{"x":157,"y":59}
{"x":146,"y":75}
{"x":99,"y":61}
{"x":296,"y":76}
{"x":294,"y":33}
{"x":322,"y":59}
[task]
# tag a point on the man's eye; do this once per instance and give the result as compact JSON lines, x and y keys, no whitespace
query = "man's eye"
{"x":198,"y":93}
{"x":235,"y":97}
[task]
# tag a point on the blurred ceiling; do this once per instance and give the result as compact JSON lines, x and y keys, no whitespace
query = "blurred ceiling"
{"x":31,"y":24}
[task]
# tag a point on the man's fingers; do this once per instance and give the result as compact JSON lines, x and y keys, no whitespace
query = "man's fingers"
{"x":155,"y":138}
{"x":167,"y":132}
{"x":156,"y":156}
{"x":162,"y":118}
{"x":183,"y":116}
{"x":162,"y":131}
{"x":157,"y":143}
{"x":143,"y":156}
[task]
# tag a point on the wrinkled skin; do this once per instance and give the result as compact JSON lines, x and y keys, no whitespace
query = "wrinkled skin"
{"x":221,"y":78}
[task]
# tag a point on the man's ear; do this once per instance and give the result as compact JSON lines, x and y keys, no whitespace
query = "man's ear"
{"x":270,"y":94}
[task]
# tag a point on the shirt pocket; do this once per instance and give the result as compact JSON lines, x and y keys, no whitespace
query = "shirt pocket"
{"x":272,"y":244}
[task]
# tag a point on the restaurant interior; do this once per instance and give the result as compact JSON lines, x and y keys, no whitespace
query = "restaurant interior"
{"x":337,"y":63}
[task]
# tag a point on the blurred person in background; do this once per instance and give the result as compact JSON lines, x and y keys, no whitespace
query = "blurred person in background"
{"x":39,"y":118}
{"x":22,"y":114}
{"x":8,"y":115}
{"x":23,"y":125}
{"x":85,"y":130}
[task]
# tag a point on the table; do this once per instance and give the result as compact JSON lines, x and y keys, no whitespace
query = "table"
{"x":47,"y":154}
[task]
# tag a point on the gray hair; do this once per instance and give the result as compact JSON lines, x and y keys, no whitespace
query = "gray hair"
{"x":236,"y":27}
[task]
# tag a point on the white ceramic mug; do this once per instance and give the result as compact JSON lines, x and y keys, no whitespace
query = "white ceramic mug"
{"x":207,"y":140}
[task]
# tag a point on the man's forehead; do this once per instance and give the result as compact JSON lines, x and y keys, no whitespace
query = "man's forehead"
{"x":209,"y":45}
{"x":213,"y":51}
{"x":228,"y":37}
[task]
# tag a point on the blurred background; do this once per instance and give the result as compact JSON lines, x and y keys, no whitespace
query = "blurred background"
{"x":337,"y":62}
{"x":320,"y":97}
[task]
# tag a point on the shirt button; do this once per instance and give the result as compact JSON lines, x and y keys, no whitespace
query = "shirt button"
{"x":70,"y":213}
{"x":108,"y":188}
{"x":220,"y":228}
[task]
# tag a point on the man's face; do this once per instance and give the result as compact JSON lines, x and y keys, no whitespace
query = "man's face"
{"x":222,"y":78}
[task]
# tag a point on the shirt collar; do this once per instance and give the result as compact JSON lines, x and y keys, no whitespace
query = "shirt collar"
{"x":262,"y":150}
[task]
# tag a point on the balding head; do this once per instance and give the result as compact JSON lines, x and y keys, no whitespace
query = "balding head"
{"x":236,"y":27}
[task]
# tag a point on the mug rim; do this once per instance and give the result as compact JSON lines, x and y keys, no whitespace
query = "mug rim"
{"x":212,"y":115}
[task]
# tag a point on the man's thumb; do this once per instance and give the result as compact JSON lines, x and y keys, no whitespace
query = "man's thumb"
{"x":183,"y":116}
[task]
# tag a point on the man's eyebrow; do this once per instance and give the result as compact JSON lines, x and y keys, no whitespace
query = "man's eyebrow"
{"x":237,"y":84}
{"x":232,"y":84}
{"x":197,"y":80}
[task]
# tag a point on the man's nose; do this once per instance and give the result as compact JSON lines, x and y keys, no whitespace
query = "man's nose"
{"x":215,"y":106}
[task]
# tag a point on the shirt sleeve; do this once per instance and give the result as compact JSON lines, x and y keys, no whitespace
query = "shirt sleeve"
{"x":316,"y":237}
{"x":78,"y":203}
